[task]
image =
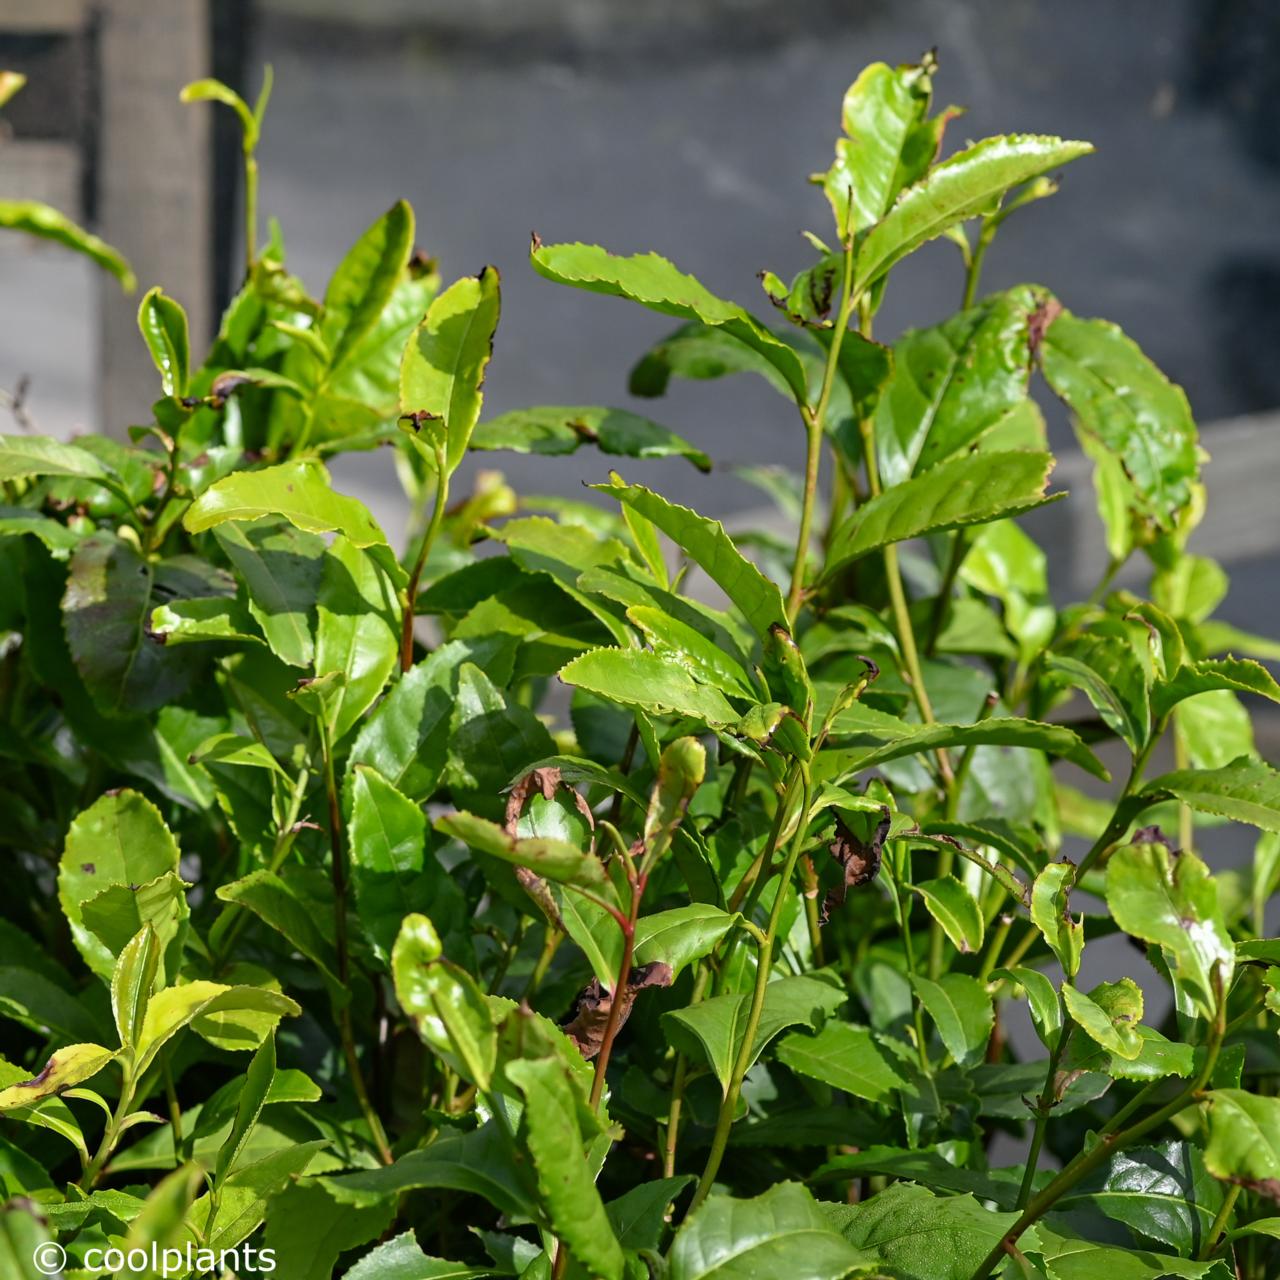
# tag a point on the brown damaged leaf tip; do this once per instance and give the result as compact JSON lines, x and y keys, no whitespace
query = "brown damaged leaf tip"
{"x":590,"y":1018}
{"x":860,"y":862}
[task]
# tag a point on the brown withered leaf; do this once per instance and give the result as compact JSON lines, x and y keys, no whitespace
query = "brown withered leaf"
{"x":590,"y":1017}
{"x":860,"y":862}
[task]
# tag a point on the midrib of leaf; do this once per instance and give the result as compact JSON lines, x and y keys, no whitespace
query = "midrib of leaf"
{"x":791,"y":1234}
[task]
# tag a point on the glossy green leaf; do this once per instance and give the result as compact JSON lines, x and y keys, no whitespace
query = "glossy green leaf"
{"x":705,"y":660}
{"x":257,"y":1084}
{"x":1051,"y":913}
{"x":961,"y":1010}
{"x":550,"y":858}
{"x":845,"y":1057}
{"x":706,"y":543}
{"x":273,"y":900}
{"x":1244,"y":1137}
{"x":955,"y":909}
{"x":1109,"y":1014}
{"x":1240,"y":674}
{"x":555,"y":430}
{"x":132,"y":984}
{"x":1172,"y":901}
{"x":121,"y":839}
{"x":364,"y":281}
{"x":299,"y":491}
{"x":657,"y":684}
{"x":400,"y":1258}
{"x":965,"y":491}
{"x":308,"y":1231}
{"x":1109,"y":673}
{"x":551,"y":1132}
{"x":1121,"y":399}
{"x":163,"y":324}
{"x":967,"y":183}
{"x":1042,"y":996}
{"x":653,"y":282}
{"x":955,"y":382}
{"x":116,"y":914}
{"x":782,"y":1232}
{"x":1244,"y":790}
{"x":442,"y":374}
{"x":40,"y":220}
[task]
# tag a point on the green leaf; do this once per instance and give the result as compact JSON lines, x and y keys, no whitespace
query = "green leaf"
{"x":211,"y":90}
{"x":280,"y":567}
{"x":442,"y":374}
{"x":971,"y":490}
{"x":106,"y":611}
{"x":120,"y":839}
{"x":560,"y":429}
{"x":26,"y":1243}
{"x":257,"y":1084}
{"x":272,"y":899}
{"x":117,"y":913}
{"x":23,"y":457}
{"x":641,"y":678}
{"x":1122,"y":400}
{"x":709,"y":546}
{"x":1109,"y":673}
{"x":546,"y":856}
{"x":1244,"y":790}
{"x":1109,"y":1014}
{"x":919,"y":1236}
{"x":655,"y":283}
{"x":1172,"y":900}
{"x":308,"y":1231}
{"x":961,"y":1009}
{"x":1046,"y":1012}
{"x":703,"y":351}
{"x":955,"y":909}
{"x":782,"y":1232}
{"x":1051,"y":914}
{"x":364,"y":282}
{"x":38,"y":219}
{"x":962,"y":186}
{"x":705,"y":660}
{"x":716,"y":1028}
{"x":682,"y":935}
{"x":163,"y":324}
{"x":1240,"y":674}
{"x":391,"y":872}
{"x":65,"y":1068}
{"x":174,"y":1008}
{"x":551,"y":1132}
{"x":884,"y":118}
{"x":845,"y":1057}
{"x":955,"y":382}
{"x":863,"y":743}
{"x":681,"y":769}
{"x":1244,"y":1137}
{"x":448,"y":1008}
{"x":357,"y":629}
{"x":400,"y":1259}
{"x":132,"y":984}
{"x":298,"y":490}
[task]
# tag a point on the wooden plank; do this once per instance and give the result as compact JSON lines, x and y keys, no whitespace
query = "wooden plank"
{"x":154,"y":175}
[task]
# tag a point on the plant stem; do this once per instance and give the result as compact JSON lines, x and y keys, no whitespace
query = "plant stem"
{"x":678,"y":1083}
{"x":986,"y":233}
{"x":175,"y":1111}
{"x":814,"y":424}
{"x":1119,"y":819}
{"x":411,"y":591}
{"x":93,"y":1170}
{"x":1220,"y":1221}
{"x":338,"y":875}
{"x":615,"y":1008}
{"x":746,"y":1054}
{"x":1182,"y":760}
{"x":1110,"y":1141}
{"x":942,"y":605}
{"x":1044,"y":1105}
{"x":906,"y":902}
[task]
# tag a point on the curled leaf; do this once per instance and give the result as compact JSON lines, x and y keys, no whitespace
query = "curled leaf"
{"x":586,"y":1027}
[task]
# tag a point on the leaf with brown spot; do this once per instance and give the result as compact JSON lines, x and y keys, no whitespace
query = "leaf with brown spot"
{"x":859,"y":861}
{"x":591,"y":1013}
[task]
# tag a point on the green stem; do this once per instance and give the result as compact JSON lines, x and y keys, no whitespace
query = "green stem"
{"x":942,"y":605}
{"x":1182,"y":760}
{"x":93,"y":1170}
{"x":814,"y":424}
{"x":1110,"y":1141}
{"x":906,"y":902}
{"x":411,"y":591}
{"x":728,"y":1104}
{"x":338,"y":875}
{"x":1044,"y":1105}
{"x":1119,"y":819}
{"x":250,"y":211}
{"x":175,"y":1111}
{"x":1220,"y":1222}
{"x":974,"y":273}
{"x":678,"y":1084}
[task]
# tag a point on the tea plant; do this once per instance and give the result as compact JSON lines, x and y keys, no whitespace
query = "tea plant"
{"x":585,"y":896}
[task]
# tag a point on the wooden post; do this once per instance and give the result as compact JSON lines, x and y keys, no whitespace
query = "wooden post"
{"x":154,"y":178}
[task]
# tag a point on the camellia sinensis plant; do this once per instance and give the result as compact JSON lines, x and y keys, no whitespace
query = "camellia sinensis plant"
{"x":585,"y":892}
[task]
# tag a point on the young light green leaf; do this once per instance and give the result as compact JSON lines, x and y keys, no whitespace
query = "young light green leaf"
{"x":40,"y":220}
{"x":967,"y":183}
{"x":211,"y":90}
{"x":257,"y":1084}
{"x":781,"y":1232}
{"x":299,"y":491}
{"x":961,"y":1009}
{"x":65,"y":1068}
{"x":163,"y":324}
{"x":1109,"y":1014}
{"x":1046,"y":1011}
{"x":1051,"y":913}
{"x":705,"y":660}
{"x":559,"y":429}
{"x":442,"y":374}
{"x":1244,"y":1138}
{"x":653,"y":282}
{"x":1240,"y":674}
{"x":1172,"y":900}
{"x":680,"y":773}
{"x":955,"y":909}
{"x":640,"y":678}
{"x":132,"y":984}
{"x":681,"y":935}
{"x":1244,"y":790}
{"x":710,"y":547}
{"x":974,"y":489}
{"x":548,"y":857}
{"x":400,"y":1258}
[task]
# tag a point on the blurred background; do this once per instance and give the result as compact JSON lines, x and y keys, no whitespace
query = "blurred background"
{"x":684,"y":126}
